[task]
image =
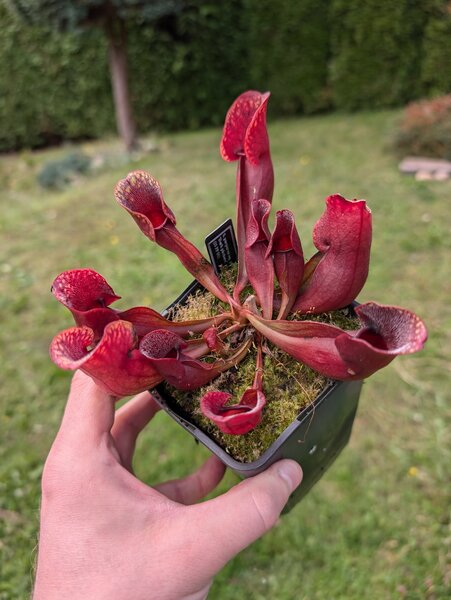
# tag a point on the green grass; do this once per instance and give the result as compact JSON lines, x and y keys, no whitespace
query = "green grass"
{"x":377,"y":525}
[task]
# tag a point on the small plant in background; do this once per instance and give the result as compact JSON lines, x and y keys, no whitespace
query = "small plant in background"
{"x":425,"y":129}
{"x":278,"y":297}
{"x":56,"y":174}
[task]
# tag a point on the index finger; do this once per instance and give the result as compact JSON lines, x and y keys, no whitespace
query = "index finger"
{"x":129,"y":421}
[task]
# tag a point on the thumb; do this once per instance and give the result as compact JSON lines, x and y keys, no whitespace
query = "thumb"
{"x":89,"y":412}
{"x":237,"y":518}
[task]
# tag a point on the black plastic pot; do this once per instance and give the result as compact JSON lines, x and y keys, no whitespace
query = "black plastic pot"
{"x":314,"y":439}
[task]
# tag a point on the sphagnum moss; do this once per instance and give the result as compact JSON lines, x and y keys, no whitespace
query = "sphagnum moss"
{"x":289,"y":386}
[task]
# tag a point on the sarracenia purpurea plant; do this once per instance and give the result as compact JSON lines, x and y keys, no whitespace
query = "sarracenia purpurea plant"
{"x":136,"y":349}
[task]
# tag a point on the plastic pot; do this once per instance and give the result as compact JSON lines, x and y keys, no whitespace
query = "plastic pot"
{"x":314,"y":439}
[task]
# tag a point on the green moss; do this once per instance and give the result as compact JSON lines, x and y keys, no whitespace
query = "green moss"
{"x":288,"y":385}
{"x":342,"y":318}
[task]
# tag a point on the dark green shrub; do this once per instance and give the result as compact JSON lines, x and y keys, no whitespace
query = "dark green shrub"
{"x":288,"y":44}
{"x":212,"y":64}
{"x":185,"y":75}
{"x":52,"y":86}
{"x":436,"y":48}
{"x":376,"y":52}
{"x":426,"y":129}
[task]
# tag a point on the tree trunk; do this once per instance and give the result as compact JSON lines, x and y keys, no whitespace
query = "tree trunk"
{"x":117,"y":42}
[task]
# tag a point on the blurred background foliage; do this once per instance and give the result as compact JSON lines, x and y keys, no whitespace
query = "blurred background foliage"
{"x":186,"y":67}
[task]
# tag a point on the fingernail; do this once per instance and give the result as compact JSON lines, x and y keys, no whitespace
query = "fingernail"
{"x":290,"y":472}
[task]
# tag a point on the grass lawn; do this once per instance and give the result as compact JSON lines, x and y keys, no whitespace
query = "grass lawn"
{"x":377,"y":525}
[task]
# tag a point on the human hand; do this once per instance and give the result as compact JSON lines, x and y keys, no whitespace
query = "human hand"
{"x":105,"y":534}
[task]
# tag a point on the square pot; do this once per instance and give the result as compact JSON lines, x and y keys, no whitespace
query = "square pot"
{"x":314,"y":439}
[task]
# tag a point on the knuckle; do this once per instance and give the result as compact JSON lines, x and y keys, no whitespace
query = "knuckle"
{"x":266,"y":507}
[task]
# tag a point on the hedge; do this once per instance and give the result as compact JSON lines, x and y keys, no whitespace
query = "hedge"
{"x":186,"y":76}
{"x":376,"y":48}
{"x":52,"y":86}
{"x":436,"y":59}
{"x":312,"y":54}
{"x":289,"y":52}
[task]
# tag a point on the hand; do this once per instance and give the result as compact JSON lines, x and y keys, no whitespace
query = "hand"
{"x":105,"y":534}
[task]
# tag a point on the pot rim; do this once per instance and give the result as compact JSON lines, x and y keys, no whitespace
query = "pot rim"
{"x":307,"y":412}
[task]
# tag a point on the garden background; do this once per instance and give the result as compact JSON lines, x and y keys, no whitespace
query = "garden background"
{"x":377,"y":525}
